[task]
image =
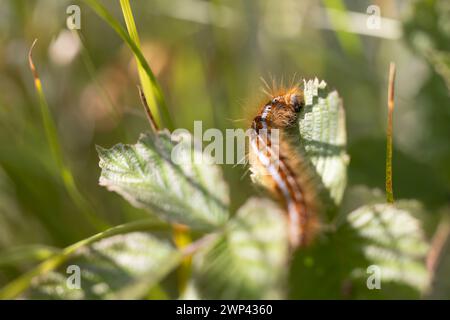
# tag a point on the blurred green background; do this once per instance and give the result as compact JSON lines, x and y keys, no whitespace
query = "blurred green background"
{"x":208,"y":57}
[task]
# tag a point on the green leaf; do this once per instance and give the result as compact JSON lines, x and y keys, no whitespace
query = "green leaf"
{"x":247,"y":261}
{"x":359,"y":195}
{"x":324,"y":138}
{"x":387,"y":236}
{"x":148,"y":176}
{"x":17,"y":286}
{"x":393,"y":240}
{"x":122,"y":266}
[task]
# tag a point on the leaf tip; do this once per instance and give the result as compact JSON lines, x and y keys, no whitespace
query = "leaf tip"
{"x":100,"y":151}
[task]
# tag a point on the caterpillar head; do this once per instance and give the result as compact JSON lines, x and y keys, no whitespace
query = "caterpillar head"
{"x":282,"y":109}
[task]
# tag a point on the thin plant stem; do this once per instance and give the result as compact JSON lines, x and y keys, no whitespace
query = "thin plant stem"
{"x":391,"y":92}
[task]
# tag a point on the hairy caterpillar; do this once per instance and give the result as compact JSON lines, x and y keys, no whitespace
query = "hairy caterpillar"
{"x":280,"y":167}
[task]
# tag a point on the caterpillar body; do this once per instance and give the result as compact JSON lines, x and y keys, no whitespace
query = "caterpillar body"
{"x":280,"y":167}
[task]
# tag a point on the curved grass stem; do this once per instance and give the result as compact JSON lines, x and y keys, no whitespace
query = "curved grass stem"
{"x":55,"y":147}
{"x":151,"y":87}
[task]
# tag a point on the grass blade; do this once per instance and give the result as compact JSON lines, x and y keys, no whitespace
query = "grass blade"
{"x":55,"y":147}
{"x":150,"y":84}
{"x":147,"y":86}
{"x":25,"y":254}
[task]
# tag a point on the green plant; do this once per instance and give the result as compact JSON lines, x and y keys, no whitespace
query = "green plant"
{"x":239,"y":253}
{"x":234,"y":255}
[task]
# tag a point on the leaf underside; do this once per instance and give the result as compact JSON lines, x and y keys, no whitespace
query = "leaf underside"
{"x":147,"y":175}
{"x":322,"y":134}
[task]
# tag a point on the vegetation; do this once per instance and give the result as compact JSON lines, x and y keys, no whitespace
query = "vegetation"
{"x":199,"y":230}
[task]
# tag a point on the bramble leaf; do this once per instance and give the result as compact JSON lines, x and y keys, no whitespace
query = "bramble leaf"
{"x":394,"y":241}
{"x":122,"y":266}
{"x":324,"y":138}
{"x":383,"y":237}
{"x":249,"y":260}
{"x":160,"y":174}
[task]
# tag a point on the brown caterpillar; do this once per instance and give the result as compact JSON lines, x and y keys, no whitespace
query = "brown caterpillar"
{"x":280,"y":167}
